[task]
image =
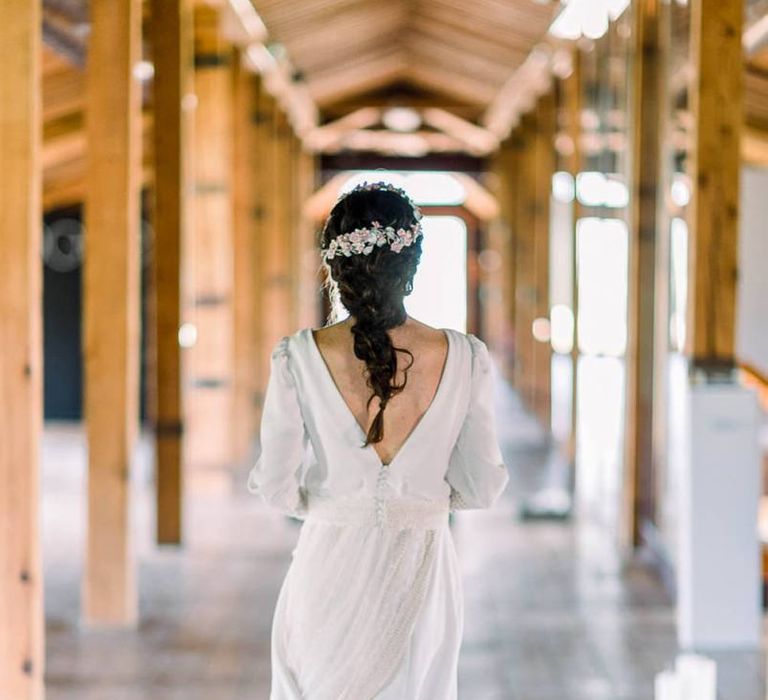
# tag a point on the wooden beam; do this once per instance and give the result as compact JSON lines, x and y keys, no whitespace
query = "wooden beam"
{"x":264,"y":213}
{"x":330,"y":135}
{"x":211,"y":259}
{"x":525,"y":290}
{"x":715,"y":95}
{"x":308,"y":259}
{"x":277,"y":239}
{"x":111,"y":306}
{"x":287,"y":213}
{"x":544,"y":168}
{"x":22,"y":657}
{"x":245,"y":280}
{"x":520,"y":92}
{"x":241,"y":24}
{"x":499,"y":270}
{"x":477,"y":140}
{"x":648,"y":101}
{"x":63,"y":92}
{"x":172,"y":55}
{"x":754,"y":147}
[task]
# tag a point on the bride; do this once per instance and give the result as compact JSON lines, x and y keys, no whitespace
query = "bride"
{"x":373,"y":430}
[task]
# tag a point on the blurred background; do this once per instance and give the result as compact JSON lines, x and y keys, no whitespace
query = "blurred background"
{"x":594,"y":180}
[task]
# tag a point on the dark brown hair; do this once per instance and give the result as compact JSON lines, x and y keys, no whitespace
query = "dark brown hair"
{"x":372,"y":287}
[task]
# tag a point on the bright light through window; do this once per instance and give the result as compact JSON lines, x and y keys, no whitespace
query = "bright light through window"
{"x":602,"y":269}
{"x":562,"y":186}
{"x":562,"y":329}
{"x":588,"y":18}
{"x":681,"y":190}
{"x":439,"y":296}
{"x":679,"y":274}
{"x":595,"y":189}
{"x":425,"y":188}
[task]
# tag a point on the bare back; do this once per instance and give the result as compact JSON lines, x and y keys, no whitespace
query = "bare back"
{"x":404,"y":410}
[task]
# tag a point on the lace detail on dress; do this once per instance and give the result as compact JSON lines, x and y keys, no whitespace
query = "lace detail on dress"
{"x":396,"y":514}
{"x":457,"y":501}
{"x":387,"y":662}
{"x":370,"y":563}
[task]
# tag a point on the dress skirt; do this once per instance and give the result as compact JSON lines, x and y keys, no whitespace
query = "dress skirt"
{"x":371,"y":607}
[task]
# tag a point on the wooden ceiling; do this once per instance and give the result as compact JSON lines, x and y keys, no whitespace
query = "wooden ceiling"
{"x":454,"y":52}
{"x":454,"y":55}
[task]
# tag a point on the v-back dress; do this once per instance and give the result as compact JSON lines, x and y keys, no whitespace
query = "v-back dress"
{"x":371,"y":607}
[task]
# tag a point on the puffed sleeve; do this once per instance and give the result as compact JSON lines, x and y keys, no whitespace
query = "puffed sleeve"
{"x":276,"y":475}
{"x":476,"y":471}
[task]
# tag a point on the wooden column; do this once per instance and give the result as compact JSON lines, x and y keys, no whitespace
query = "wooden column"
{"x":277,"y":244}
{"x":210,"y":380}
{"x":22,"y":656}
{"x":288,"y":215}
{"x":525,"y":292}
{"x":513,"y":163}
{"x":111,"y":306}
{"x":544,"y":164}
{"x":715,"y":97}
{"x":172,"y":43}
{"x":264,"y":211}
{"x":646,"y":146}
{"x":505,"y":170}
{"x":245,"y":163}
{"x":308,"y":271}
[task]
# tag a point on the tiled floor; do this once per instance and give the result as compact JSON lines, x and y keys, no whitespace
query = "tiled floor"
{"x":551,"y":612}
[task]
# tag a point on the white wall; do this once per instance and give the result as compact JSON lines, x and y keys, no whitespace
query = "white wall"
{"x":752,"y":299}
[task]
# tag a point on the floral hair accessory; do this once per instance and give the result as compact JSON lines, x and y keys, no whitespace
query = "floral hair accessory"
{"x":364,"y":240}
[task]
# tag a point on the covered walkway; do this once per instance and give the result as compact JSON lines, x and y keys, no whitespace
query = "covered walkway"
{"x":594,"y":178}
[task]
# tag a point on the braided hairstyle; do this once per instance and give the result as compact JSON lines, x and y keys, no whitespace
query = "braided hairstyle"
{"x":372,"y":288}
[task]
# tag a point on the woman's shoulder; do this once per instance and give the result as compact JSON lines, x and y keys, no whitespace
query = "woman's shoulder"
{"x":288,"y":345}
{"x":329,"y":339}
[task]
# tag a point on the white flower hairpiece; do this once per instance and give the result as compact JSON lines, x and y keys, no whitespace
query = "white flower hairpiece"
{"x":364,"y":240}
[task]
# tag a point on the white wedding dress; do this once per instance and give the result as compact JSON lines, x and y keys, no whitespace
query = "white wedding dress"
{"x":371,"y":607}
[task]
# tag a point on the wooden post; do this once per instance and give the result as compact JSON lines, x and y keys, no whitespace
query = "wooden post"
{"x":715,"y":96}
{"x":525,"y":260}
{"x":264,"y":211}
{"x":211,"y":360}
{"x":544,"y":164}
{"x":246,"y":86}
{"x":277,"y":244}
{"x":505,"y":167}
{"x":111,"y":306}
{"x":172,"y":40}
{"x":22,"y":655}
{"x":287,"y":196}
{"x":646,"y":147}
{"x":308,"y":271}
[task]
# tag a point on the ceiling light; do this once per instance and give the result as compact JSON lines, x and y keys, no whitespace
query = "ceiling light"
{"x":594,"y":18}
{"x":589,"y":18}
